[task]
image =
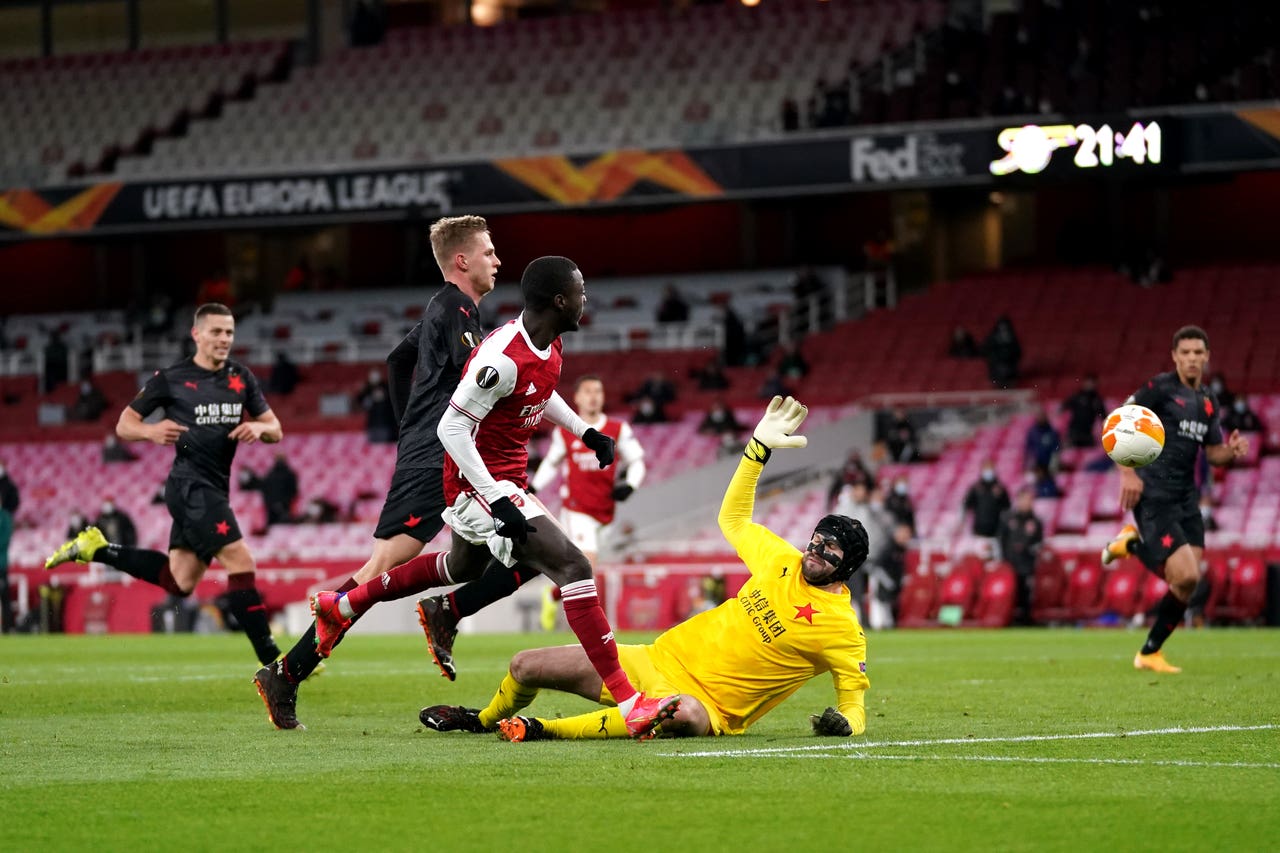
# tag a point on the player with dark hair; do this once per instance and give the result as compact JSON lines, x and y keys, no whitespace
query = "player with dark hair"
{"x":423,"y":370}
{"x":211,"y":404}
{"x":790,"y":622}
{"x":507,"y":387}
{"x":1168,"y":531}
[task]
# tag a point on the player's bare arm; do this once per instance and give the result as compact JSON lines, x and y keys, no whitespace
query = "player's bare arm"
{"x":131,"y":427}
{"x":1235,"y":447}
{"x":265,"y":428}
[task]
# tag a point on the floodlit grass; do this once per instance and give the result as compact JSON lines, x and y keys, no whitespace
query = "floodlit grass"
{"x":115,"y":743}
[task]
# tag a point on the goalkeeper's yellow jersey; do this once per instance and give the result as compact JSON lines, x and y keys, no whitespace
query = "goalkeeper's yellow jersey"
{"x":753,"y":651}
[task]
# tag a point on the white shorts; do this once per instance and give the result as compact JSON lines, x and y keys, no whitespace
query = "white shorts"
{"x":469,"y":518}
{"x":583,"y":530}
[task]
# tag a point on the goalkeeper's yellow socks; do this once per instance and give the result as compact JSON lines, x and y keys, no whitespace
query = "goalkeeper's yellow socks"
{"x":605,"y":723}
{"x":511,"y":697}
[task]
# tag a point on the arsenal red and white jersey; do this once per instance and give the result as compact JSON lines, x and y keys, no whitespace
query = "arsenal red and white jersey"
{"x":504,"y":389}
{"x":588,"y":487}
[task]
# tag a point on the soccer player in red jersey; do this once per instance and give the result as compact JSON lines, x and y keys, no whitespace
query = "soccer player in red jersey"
{"x":507,"y":387}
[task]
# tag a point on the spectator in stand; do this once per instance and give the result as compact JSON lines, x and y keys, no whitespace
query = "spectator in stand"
{"x":853,"y":471}
{"x":774,"y":385}
{"x":885,"y":578}
{"x":1043,"y":483}
{"x":1240,"y":417}
{"x":1086,"y":407}
{"x":735,"y":337}
{"x":56,"y":361}
{"x":1041,"y":445}
{"x":711,"y":376}
{"x":1003,"y":353}
{"x":899,"y":505}
{"x":900,"y":437}
{"x":158,"y":322}
{"x":116,"y":524}
{"x":320,"y":511}
{"x":279,"y":487}
{"x":284,"y":375}
{"x":1226,"y":397}
{"x":76,"y":522}
{"x":114,"y":451}
{"x":657,"y":388}
{"x":1020,"y":536}
{"x":380,"y":417}
{"x":720,"y":420}
{"x":987,"y":498}
{"x":790,"y":115}
{"x":9,"y":495}
{"x":792,"y":365}
{"x":89,"y":405}
{"x":673,"y":308}
{"x":962,"y":344}
{"x":855,"y":501}
{"x":649,"y":411}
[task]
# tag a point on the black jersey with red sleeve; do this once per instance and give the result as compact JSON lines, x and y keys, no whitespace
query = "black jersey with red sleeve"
{"x":1191,"y":421}
{"x":432,"y":356}
{"x":210,"y":403}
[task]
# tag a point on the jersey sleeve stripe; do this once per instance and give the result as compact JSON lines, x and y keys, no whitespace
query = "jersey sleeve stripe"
{"x":458,"y":408}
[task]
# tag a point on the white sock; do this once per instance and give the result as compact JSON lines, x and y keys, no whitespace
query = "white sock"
{"x":442,"y":568}
{"x":626,"y":705}
{"x":344,"y":607}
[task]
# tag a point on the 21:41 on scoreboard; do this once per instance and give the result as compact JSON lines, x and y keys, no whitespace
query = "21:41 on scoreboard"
{"x":1030,"y":148}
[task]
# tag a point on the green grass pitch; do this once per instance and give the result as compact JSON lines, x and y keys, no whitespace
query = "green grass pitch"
{"x":1007,"y":740}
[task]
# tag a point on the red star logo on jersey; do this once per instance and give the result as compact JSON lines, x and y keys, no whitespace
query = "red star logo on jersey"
{"x":236,"y":384}
{"x":806,"y":612}
{"x":1208,"y":407}
{"x":1166,"y":540}
{"x":413,"y":520}
{"x":223,"y":528}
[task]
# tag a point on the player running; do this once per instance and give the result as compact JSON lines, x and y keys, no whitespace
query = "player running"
{"x":790,"y":622}
{"x":591,"y":497}
{"x":1168,"y":533}
{"x":507,"y":388}
{"x":423,"y":370}
{"x":211,"y":404}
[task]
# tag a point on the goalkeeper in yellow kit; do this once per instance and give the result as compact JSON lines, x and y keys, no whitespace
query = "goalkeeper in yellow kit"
{"x":790,"y":622}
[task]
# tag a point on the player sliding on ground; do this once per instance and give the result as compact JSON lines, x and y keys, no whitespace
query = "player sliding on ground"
{"x":790,"y":622}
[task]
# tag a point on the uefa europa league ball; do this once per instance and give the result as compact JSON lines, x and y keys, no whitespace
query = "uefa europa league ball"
{"x":1133,"y":436}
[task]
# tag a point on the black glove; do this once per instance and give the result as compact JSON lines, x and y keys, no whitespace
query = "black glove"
{"x":601,"y":444}
{"x":831,"y":723}
{"x":622,"y":491}
{"x":509,"y":522}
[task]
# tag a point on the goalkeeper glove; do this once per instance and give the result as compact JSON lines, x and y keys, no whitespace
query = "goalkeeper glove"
{"x":622,"y":491}
{"x":602,"y":444}
{"x":509,"y":522}
{"x":832,"y":723}
{"x":781,"y":419}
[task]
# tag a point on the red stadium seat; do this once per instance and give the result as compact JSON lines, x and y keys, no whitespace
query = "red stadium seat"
{"x":918,"y":603}
{"x":1048,"y":588}
{"x":1122,"y":589}
{"x":996,"y":598}
{"x":1082,"y":599}
{"x":1153,"y":589}
{"x":958,"y":589}
{"x":1246,"y":593}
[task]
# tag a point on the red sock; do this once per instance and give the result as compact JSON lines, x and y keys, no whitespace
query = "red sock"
{"x":585,"y":616}
{"x":419,"y":574}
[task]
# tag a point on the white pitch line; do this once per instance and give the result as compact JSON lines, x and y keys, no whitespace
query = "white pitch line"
{"x":1017,"y":759}
{"x":827,"y":747}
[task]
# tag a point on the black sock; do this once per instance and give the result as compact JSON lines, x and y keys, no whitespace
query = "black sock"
{"x":246,"y":604}
{"x":1169,"y":613}
{"x":495,"y":584}
{"x":145,"y":565}
{"x":303,"y":658}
